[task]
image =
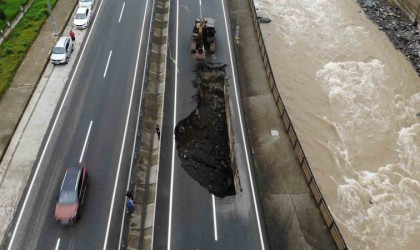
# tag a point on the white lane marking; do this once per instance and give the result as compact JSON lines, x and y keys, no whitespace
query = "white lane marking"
{"x":58,"y":244}
{"x":242,"y":129}
{"x":122,"y":10}
{"x":50,"y":135}
{"x":174,"y":125}
{"x":107,"y":63}
{"x":201,"y":14}
{"x":137,"y":126}
{"x":126,"y":128}
{"x":214,"y":217}
{"x":86,"y":141}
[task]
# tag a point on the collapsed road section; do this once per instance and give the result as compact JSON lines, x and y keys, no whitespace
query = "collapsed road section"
{"x":204,"y":139}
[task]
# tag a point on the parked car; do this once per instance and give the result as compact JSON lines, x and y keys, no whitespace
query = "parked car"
{"x":72,"y":194}
{"x":62,"y":50}
{"x":82,"y":17}
{"x":86,"y":3}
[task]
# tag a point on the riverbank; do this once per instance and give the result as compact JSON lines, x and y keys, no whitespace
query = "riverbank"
{"x":401,"y":31}
{"x":352,"y":98}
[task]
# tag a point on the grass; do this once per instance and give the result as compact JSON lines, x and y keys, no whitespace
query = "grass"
{"x":11,"y":9}
{"x":13,"y":50}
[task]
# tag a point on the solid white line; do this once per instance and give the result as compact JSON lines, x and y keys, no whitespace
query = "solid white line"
{"x":137,"y":126}
{"x":122,"y":10}
{"x":201,"y":14}
{"x":242,"y":130}
{"x":174,"y":125}
{"x":214,"y":217}
{"x":58,"y":244}
{"x":107,"y":63}
{"x":49,"y":137}
{"x":86,"y":140}
{"x":125,"y":129}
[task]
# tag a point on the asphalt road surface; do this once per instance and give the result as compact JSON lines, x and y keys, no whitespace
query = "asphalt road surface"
{"x":104,"y":91}
{"x":187,"y":215}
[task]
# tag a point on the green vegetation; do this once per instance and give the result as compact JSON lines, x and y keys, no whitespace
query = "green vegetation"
{"x":9,"y":10}
{"x":13,"y":50}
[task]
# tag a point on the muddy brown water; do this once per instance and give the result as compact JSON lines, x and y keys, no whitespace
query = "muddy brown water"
{"x":353,"y":100}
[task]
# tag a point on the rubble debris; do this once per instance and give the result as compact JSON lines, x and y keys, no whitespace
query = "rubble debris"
{"x":202,"y":138}
{"x":400,"y":30}
{"x":263,"y":19}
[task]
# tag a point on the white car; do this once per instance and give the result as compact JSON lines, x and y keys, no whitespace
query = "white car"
{"x":86,"y":3}
{"x":61,"y":51}
{"x":82,"y":18}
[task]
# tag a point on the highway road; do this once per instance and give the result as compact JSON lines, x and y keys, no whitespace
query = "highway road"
{"x":187,"y":216}
{"x":95,"y":123}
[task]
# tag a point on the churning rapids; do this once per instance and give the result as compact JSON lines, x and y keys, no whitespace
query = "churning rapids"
{"x":353,"y":99}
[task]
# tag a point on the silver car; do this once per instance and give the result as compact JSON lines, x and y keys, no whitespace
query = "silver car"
{"x":86,"y":3}
{"x":82,"y":18}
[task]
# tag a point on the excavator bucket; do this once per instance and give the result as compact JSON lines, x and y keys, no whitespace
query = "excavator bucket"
{"x":203,"y":37}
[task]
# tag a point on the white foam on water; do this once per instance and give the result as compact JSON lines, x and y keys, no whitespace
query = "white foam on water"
{"x":372,"y":133}
{"x":312,"y":21}
{"x":382,"y":207}
{"x":354,"y":92}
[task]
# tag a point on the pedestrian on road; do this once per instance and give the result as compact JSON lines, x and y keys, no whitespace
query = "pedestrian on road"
{"x":158,"y":131}
{"x":72,"y":36}
{"x":129,"y":195}
{"x":130,"y":206}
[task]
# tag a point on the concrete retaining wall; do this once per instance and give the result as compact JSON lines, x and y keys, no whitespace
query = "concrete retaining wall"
{"x":233,"y":165}
{"x":409,"y":7}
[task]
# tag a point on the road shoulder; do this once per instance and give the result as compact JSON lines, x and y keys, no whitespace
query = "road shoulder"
{"x":27,"y":109}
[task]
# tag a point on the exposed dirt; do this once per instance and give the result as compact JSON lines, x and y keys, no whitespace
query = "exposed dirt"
{"x":202,"y":138}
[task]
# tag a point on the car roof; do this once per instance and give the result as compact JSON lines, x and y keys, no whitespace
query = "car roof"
{"x":81,"y":10}
{"x":71,"y":179}
{"x":61,"y":41}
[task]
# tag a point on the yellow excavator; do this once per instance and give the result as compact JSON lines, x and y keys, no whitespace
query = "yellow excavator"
{"x":203,"y":37}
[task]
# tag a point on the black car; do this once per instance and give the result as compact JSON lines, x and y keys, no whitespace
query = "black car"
{"x":72,"y":193}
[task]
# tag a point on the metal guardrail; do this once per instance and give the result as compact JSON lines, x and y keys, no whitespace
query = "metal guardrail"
{"x":310,"y":180}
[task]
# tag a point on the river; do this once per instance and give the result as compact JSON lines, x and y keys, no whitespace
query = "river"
{"x":353,"y":100}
